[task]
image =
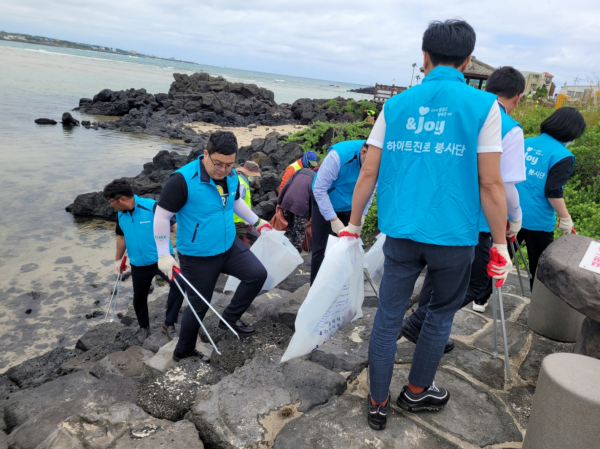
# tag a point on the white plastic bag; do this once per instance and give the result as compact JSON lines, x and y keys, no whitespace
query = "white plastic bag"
{"x":278,"y":256}
{"x":334,"y":299}
{"x":374,"y":260}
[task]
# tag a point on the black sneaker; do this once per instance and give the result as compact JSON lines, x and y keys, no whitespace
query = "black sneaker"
{"x":378,"y":414}
{"x":411,"y":333}
{"x":239,"y":326}
{"x":432,"y":399}
{"x":177,"y":356}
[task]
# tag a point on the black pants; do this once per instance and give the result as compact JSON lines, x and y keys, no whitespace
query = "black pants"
{"x":141,"y":278}
{"x":480,"y":284}
{"x":321,"y":230}
{"x":536,"y":242}
{"x":203,"y":272}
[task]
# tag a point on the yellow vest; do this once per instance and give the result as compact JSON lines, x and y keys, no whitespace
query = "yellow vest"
{"x":247,"y":198}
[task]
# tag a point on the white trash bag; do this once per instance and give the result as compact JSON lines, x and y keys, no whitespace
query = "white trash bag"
{"x":334,"y":299}
{"x":374,"y":260}
{"x":278,"y":256}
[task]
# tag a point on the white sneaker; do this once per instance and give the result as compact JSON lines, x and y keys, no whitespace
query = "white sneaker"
{"x":479,"y":307}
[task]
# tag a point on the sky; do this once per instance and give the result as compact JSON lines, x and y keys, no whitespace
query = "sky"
{"x":363,"y":42}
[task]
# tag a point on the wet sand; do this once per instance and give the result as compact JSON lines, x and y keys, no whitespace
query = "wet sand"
{"x":245,"y":135}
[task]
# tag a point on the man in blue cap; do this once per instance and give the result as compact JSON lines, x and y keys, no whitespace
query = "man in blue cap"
{"x":434,"y":153}
{"x":332,"y":196}
{"x":308,"y":160}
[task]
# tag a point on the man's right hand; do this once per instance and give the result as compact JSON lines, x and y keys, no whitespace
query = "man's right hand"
{"x":337,"y":225}
{"x":121,"y":264}
{"x":166,"y":264}
{"x":500,"y":264}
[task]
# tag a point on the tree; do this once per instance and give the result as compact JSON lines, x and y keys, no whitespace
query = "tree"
{"x":541,"y":92}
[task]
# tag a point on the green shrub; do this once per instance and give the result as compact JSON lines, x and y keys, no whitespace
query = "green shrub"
{"x":340,"y":132}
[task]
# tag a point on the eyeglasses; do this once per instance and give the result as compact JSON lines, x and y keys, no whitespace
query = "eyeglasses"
{"x":110,"y":200}
{"x":222,"y":166}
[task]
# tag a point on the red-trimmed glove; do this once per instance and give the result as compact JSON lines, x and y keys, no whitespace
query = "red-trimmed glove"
{"x":121,"y":265}
{"x":263,"y":225}
{"x":166,"y":264}
{"x":512,"y":229}
{"x":351,"y":231}
{"x":500,"y":264}
{"x":566,"y":225}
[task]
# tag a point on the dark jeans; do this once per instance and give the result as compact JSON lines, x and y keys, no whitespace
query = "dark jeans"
{"x":141,"y":278}
{"x":449,"y":268}
{"x":203,"y":272}
{"x":321,"y":230}
{"x":536,"y":242}
{"x":480,"y":283}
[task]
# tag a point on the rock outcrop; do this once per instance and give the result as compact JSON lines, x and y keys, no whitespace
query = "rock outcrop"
{"x":204,"y":98}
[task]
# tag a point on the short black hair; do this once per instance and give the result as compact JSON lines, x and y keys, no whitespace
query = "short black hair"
{"x":222,"y":142}
{"x":506,"y":82}
{"x":117,"y":188}
{"x":565,"y":124}
{"x":449,"y":42}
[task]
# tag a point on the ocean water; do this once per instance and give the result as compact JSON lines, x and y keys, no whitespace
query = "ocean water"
{"x":55,"y":268}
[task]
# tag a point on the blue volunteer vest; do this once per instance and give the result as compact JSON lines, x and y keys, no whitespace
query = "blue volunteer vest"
{"x":138,"y":227}
{"x":508,"y":124}
{"x":341,"y":190}
{"x":541,"y":154}
{"x":428,"y":187}
{"x":204,"y":226}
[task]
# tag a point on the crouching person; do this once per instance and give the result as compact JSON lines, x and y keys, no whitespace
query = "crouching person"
{"x":204,"y":195}
{"x":135,"y":234}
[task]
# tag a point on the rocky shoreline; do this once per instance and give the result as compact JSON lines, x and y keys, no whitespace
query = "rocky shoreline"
{"x":202,"y":98}
{"x":109,"y":392}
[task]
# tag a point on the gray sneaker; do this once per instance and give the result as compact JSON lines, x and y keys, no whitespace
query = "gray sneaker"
{"x":143,"y":334}
{"x":169,"y":331}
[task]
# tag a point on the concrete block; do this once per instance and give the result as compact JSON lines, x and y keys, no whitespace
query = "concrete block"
{"x":551,"y":317}
{"x":160,"y":362}
{"x":588,"y":342}
{"x":566,"y":406}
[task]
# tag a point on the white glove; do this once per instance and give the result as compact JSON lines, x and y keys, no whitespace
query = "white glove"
{"x":166,"y":264}
{"x":354,"y":231}
{"x":512,"y":229}
{"x":337,"y":225}
{"x":362,"y":221}
{"x":565,"y":225}
{"x":263,"y":226}
{"x":500,"y":263}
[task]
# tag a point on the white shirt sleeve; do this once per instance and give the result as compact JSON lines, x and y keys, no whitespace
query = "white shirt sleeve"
{"x":512,"y":162}
{"x":377,"y":136}
{"x":489,"y":139}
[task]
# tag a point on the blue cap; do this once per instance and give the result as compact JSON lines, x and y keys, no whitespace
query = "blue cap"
{"x":309,"y":159}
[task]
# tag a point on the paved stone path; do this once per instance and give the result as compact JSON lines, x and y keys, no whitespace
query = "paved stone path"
{"x":485,"y":411}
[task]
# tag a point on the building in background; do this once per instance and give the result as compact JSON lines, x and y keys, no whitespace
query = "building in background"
{"x":583,"y":93}
{"x":535,"y":80}
{"x":477,"y":73}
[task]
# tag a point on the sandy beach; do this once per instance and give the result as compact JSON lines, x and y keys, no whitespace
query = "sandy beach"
{"x":245,"y":135}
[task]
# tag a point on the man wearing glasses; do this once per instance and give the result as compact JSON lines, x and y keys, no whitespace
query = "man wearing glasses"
{"x":204,"y":195}
{"x":134,"y":231}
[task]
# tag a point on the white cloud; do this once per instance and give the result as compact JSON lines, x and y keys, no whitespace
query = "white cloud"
{"x":351,"y":40}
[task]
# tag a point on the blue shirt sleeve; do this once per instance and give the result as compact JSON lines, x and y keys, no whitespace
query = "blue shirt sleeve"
{"x":328,"y":173}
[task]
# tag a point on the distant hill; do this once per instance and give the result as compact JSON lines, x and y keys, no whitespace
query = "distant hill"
{"x":41,"y":40}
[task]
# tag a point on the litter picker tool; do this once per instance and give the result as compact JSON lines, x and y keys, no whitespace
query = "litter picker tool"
{"x":523,"y":258}
{"x":497,"y":293}
{"x":368,"y":278}
{"x":197,"y":317}
{"x":516,"y":259}
{"x":178,"y":271}
{"x":115,"y":291}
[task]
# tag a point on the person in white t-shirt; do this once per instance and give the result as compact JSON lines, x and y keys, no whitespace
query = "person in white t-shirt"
{"x":508,"y":84}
